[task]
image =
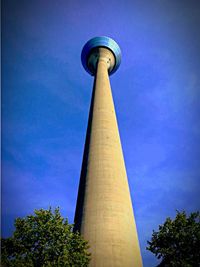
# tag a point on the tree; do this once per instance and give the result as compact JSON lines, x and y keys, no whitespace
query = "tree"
{"x":44,"y":239}
{"x":177,"y":242}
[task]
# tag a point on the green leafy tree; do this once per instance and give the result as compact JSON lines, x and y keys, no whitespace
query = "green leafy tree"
{"x":44,"y":239}
{"x":177,"y":242}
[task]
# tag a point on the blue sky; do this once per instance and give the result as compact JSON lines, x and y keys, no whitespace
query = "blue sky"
{"x":46,"y":96}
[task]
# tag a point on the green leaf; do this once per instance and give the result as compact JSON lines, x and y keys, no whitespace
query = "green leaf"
{"x":44,"y":239}
{"x":177,"y":243}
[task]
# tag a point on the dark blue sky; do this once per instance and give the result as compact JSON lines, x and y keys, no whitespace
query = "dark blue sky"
{"x":46,"y":95}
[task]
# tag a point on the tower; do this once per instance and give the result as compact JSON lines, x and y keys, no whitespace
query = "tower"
{"x":104,"y":214}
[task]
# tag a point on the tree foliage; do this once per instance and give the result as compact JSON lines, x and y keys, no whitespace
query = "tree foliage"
{"x":177,"y":242}
{"x":44,"y":239}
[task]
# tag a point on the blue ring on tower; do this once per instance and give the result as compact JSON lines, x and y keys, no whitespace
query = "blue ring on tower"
{"x":101,"y":41}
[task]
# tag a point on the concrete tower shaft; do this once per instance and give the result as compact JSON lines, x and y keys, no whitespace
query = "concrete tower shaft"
{"x":101,"y":53}
{"x":104,"y":214}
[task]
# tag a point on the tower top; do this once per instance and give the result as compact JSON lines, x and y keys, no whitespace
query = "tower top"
{"x":90,"y":49}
